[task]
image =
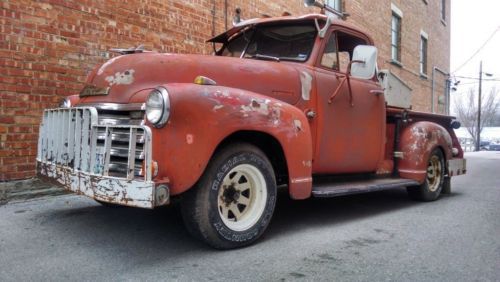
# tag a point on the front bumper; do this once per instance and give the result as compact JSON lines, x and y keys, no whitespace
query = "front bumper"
{"x":78,"y":153}
{"x":132,"y":193}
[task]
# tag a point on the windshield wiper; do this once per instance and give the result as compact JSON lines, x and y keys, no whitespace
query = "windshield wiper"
{"x":265,"y":57}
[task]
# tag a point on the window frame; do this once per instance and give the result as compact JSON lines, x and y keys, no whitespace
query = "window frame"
{"x":396,"y":56}
{"x":337,"y":5}
{"x":424,"y":54}
{"x":443,"y":10}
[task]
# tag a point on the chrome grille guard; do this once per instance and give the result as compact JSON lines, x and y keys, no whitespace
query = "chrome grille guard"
{"x":76,"y":151}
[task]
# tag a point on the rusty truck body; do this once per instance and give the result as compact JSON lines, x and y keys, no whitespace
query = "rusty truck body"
{"x":291,"y":102}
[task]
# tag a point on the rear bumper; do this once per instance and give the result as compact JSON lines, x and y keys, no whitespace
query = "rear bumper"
{"x":132,"y":193}
{"x":457,"y":167}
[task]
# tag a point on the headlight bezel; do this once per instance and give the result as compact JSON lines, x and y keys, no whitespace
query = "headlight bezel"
{"x":165,"y":107}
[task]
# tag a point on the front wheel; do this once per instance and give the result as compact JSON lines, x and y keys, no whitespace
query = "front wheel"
{"x":233,"y":202}
{"x":433,"y":184}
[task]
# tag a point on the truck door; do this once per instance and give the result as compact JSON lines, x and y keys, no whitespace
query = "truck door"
{"x":351,"y":126}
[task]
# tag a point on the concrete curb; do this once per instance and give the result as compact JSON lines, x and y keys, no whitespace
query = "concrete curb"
{"x":22,"y":190}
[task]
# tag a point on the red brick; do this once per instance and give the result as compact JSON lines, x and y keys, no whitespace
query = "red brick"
{"x":6,"y":119}
{"x":26,"y":167}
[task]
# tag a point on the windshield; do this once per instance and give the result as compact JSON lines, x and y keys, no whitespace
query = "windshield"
{"x":293,"y":42}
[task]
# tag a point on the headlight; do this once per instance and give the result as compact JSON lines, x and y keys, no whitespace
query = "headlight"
{"x":65,"y":103}
{"x":158,"y":107}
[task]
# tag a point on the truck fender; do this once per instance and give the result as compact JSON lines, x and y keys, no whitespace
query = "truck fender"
{"x":417,"y":141}
{"x":203,"y":116}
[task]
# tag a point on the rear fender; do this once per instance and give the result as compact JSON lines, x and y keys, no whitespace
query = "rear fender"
{"x":203,"y":116}
{"x":418,"y":140}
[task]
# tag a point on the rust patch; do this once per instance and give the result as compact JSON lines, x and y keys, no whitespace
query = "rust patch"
{"x":297,"y":125}
{"x":121,"y":78}
{"x":306,"y":83}
{"x":224,"y":98}
{"x":217,"y":107}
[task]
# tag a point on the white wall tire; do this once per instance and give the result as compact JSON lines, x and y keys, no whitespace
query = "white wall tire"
{"x":233,"y":202}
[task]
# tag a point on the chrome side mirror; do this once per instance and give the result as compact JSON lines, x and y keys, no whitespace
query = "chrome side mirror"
{"x":364,"y":62}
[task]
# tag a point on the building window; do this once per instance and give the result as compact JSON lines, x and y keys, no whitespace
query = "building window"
{"x":443,"y":10}
{"x":423,"y":54}
{"x":396,"y":37}
{"x":336,"y":4}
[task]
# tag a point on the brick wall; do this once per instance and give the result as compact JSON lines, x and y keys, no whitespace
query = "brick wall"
{"x":48,"y":47}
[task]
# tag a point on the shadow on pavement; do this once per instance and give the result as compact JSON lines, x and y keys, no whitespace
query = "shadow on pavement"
{"x":293,"y":216}
{"x":149,"y":235}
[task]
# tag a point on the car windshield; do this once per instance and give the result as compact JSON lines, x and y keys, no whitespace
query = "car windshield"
{"x":292,"y":42}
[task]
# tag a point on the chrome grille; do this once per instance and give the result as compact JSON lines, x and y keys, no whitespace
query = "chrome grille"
{"x":121,"y":114}
{"x":77,"y":139}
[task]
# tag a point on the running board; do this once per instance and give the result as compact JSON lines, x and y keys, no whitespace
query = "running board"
{"x":335,"y":189}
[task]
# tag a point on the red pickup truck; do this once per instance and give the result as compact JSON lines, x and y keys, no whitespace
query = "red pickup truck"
{"x":292,"y":102}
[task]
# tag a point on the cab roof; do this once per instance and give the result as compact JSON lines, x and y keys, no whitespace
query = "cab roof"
{"x":223,"y":37}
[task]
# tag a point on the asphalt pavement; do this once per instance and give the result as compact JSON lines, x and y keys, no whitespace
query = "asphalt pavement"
{"x":381,"y":236}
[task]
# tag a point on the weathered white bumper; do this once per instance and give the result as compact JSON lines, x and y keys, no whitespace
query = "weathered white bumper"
{"x":457,"y":167}
{"x":133,"y":193}
{"x":80,"y":154}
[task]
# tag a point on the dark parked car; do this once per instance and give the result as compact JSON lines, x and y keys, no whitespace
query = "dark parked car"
{"x":494,"y":147}
{"x":485,"y":145}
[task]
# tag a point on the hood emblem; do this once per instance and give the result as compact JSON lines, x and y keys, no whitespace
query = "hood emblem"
{"x":92,"y":90}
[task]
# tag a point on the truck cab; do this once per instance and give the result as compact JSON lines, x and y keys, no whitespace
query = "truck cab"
{"x":293,"y":102}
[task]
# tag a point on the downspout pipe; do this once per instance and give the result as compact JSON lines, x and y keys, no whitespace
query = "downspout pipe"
{"x":434,"y":69}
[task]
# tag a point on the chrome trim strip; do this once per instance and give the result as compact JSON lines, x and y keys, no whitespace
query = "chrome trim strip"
{"x":106,"y":121}
{"x":115,"y":106}
{"x":120,"y":137}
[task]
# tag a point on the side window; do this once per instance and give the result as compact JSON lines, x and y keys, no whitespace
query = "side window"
{"x":330,"y":59}
{"x":339,"y":49}
{"x":346,"y":45}
{"x":344,"y":59}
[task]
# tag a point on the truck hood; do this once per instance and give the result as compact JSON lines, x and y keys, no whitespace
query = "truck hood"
{"x":128,"y":74}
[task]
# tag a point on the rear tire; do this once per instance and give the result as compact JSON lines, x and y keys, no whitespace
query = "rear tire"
{"x":233,"y":202}
{"x":433,"y":184}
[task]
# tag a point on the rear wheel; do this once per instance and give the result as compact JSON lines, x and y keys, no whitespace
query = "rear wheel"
{"x":433,"y":184}
{"x":234,"y":200}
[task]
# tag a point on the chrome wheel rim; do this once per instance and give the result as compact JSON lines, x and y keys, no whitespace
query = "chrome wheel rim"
{"x":434,"y":170}
{"x":242,"y":197}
